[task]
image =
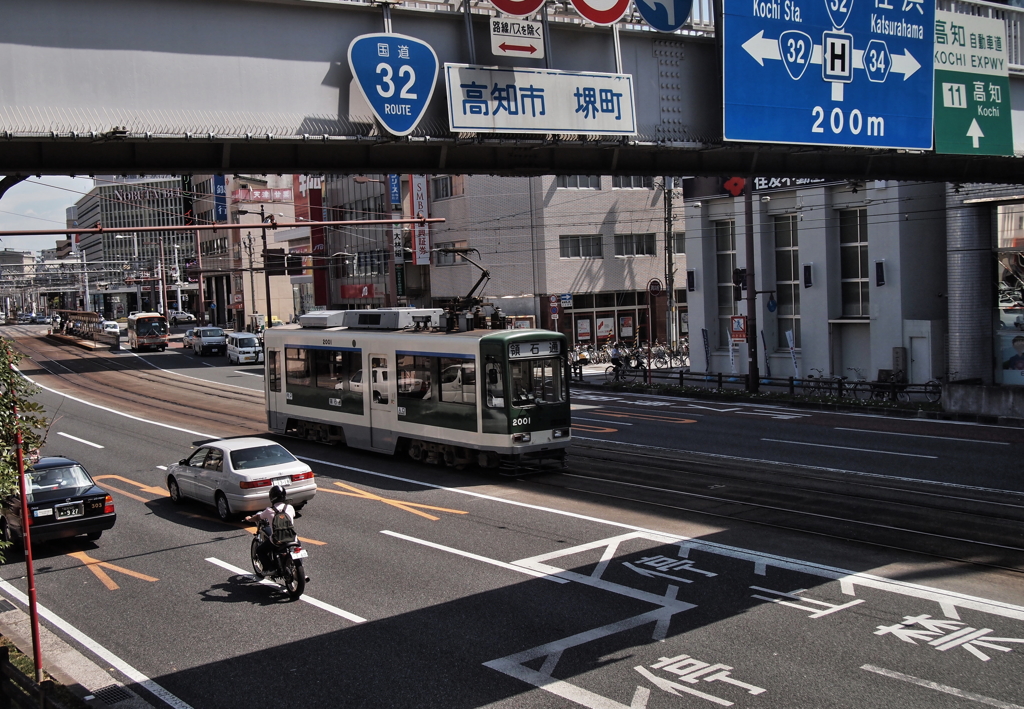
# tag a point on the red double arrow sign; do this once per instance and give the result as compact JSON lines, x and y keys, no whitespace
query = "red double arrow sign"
{"x":517,"y":48}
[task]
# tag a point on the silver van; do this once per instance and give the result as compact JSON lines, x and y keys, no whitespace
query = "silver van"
{"x":244,"y":347}
{"x":209,"y":339}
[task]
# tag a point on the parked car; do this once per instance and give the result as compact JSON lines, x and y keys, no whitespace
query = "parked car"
{"x":209,"y":339}
{"x":180,"y":316}
{"x":244,"y":347}
{"x":63,"y":501}
{"x":24,"y":318}
{"x":236,"y":475}
{"x":40,"y":319}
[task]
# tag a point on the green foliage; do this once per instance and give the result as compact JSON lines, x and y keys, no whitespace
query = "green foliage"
{"x":16,"y":391}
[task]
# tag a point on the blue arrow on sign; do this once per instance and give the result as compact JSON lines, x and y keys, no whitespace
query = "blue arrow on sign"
{"x":396,"y":75}
{"x":664,"y":15}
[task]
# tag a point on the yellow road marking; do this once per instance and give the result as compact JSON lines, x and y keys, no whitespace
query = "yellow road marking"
{"x":400,"y":504}
{"x":152,"y":489}
{"x":132,"y":495}
{"x":94,"y":566}
{"x":251,"y":529}
{"x":646,"y":417}
{"x":593,"y":429}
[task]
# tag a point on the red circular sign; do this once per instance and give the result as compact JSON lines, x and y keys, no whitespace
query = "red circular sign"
{"x":518,"y":8}
{"x":654,"y":287}
{"x":601,"y":12}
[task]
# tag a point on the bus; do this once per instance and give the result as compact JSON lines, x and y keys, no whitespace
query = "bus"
{"x":147,"y":331}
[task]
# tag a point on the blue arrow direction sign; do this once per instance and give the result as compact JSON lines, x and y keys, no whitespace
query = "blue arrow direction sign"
{"x":664,"y":15}
{"x":396,"y":75}
{"x":854,"y":73}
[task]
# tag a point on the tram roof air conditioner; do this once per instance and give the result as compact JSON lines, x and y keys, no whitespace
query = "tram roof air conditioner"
{"x":378,"y":319}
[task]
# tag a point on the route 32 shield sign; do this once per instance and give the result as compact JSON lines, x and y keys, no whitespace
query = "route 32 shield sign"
{"x":396,"y":75}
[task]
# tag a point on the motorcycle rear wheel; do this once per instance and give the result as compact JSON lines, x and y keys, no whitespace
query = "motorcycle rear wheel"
{"x":295,"y":578}
{"x":257,"y":565}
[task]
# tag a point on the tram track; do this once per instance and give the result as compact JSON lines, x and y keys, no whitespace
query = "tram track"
{"x":960,"y":523}
{"x":142,"y":388}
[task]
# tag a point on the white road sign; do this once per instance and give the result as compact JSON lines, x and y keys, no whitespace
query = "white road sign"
{"x":516,"y":38}
{"x":512,"y":100}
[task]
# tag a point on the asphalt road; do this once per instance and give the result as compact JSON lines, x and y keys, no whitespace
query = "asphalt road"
{"x":447,"y":589}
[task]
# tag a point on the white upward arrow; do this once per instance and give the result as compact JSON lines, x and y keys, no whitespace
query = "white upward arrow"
{"x":974,"y":133}
{"x":760,"y":48}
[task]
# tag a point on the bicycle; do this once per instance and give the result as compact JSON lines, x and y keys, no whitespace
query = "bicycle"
{"x":813,"y":386}
{"x":861,"y":387}
{"x":933,"y":388}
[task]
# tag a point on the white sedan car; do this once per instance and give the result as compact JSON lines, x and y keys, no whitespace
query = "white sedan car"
{"x":236,"y":476}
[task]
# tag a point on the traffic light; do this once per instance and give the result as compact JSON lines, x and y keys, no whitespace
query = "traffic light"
{"x":274,"y":262}
{"x":739,"y":283}
{"x":293,"y":265}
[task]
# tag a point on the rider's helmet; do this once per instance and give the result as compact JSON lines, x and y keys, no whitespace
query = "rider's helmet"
{"x":277,"y":494}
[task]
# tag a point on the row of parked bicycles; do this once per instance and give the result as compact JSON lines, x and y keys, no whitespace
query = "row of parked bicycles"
{"x":634,"y":357}
{"x":890,"y":386}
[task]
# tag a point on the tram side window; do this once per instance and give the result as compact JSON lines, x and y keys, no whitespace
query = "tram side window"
{"x":414,"y":376}
{"x":537,"y":381}
{"x":296,"y":367}
{"x":274,"y":370}
{"x":458,"y":380}
{"x":495,"y":386}
{"x":334,"y":369}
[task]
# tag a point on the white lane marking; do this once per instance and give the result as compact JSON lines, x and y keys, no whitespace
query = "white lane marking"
{"x":921,"y":435}
{"x":848,"y":448}
{"x":161,"y":467}
{"x":80,"y":440}
{"x":845,"y":576}
{"x":616,"y":421}
{"x":120,"y":413}
{"x":207,"y":364}
{"x":311,"y":601}
{"x":476,"y":557}
{"x":841,"y":471}
{"x":187,"y":376}
{"x":928,"y":684}
{"x":251,"y":374}
{"x":103,"y":653}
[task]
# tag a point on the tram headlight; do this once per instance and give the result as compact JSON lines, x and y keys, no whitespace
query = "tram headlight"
{"x":560,"y":433}
{"x":521,"y":438}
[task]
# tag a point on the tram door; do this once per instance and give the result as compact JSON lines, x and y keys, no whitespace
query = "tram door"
{"x":382,"y":404}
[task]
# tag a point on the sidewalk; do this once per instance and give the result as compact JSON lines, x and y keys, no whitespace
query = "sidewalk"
{"x":94,"y":685}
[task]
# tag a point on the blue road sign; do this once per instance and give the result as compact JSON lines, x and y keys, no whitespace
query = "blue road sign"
{"x":829,"y":72}
{"x":395,"y":189}
{"x":396,"y":75}
{"x":664,"y":15}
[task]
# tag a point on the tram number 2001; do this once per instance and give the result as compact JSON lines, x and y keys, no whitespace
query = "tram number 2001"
{"x":525,"y":421}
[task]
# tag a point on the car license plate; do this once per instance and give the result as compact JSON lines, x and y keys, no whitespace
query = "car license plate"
{"x":302,"y":554}
{"x":282,"y":481}
{"x":71,"y":509}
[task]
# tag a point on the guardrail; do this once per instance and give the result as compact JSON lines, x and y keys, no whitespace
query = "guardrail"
{"x":17,"y":690}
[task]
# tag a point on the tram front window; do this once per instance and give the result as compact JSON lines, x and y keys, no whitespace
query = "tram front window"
{"x":537,"y":381}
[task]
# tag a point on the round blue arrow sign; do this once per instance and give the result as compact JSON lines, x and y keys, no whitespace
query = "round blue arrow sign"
{"x":396,"y":75}
{"x":664,"y":15}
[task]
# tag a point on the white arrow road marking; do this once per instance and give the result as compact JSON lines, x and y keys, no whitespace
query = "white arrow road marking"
{"x":673,"y":688}
{"x":652,"y":574}
{"x":974,"y":133}
{"x":760,"y":48}
{"x":311,"y":601}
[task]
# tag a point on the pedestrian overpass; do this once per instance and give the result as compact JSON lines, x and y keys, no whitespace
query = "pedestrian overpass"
{"x":264,"y":86}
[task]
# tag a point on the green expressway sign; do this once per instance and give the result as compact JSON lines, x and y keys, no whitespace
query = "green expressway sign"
{"x":972,"y":86}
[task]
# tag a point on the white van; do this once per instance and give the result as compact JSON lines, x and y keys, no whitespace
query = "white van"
{"x":244,"y":347}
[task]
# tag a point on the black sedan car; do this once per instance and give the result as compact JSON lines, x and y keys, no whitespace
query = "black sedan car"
{"x":63,"y":501}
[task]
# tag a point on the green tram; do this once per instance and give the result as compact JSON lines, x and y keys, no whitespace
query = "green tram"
{"x":392,"y":380}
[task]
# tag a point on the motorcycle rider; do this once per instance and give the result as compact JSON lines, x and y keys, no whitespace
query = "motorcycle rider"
{"x":278,"y":503}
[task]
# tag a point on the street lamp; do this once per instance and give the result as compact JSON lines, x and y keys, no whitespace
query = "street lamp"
{"x":135,"y":264}
{"x":264,"y":219}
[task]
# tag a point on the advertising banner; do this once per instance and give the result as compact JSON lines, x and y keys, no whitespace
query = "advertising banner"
{"x":420,"y":232}
{"x":359,"y":290}
{"x":707,"y":350}
{"x":605,"y":328}
{"x":309,"y":205}
{"x":514,"y":100}
{"x":1011,"y":357}
{"x":792,"y":353}
{"x":583,"y":329}
{"x":220,"y":199}
{"x":626,"y":326}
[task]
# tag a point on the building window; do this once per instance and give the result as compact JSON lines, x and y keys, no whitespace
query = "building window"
{"x":441,"y":187}
{"x":632,"y":182}
{"x":579,"y":182}
{"x":725,"y":250}
{"x":580,"y":246}
{"x":367,"y":263}
{"x":443,"y":259}
{"x":853,"y":261}
{"x":787,"y":279}
{"x":635,"y":245}
{"x":679,"y":242}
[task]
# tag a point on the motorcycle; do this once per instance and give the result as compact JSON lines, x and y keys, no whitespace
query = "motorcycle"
{"x":285,"y":565}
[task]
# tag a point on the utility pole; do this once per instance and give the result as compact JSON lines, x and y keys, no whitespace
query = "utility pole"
{"x":199,"y":269}
{"x":670,"y":266}
{"x":266,"y":271}
{"x":753,"y":375}
{"x":252,"y":272}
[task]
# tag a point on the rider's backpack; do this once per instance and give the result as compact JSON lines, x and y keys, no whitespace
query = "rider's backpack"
{"x":282,"y":530}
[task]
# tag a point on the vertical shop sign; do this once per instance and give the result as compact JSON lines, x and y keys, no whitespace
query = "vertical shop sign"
{"x":220,"y":199}
{"x":420,"y":232}
{"x":309,"y":205}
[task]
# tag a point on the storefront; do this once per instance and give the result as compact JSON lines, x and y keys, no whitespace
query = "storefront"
{"x":600,"y":318}
{"x":1009,"y":344}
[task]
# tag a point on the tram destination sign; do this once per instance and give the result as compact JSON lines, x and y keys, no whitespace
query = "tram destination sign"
{"x":520,"y":350}
{"x":854,"y":73}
